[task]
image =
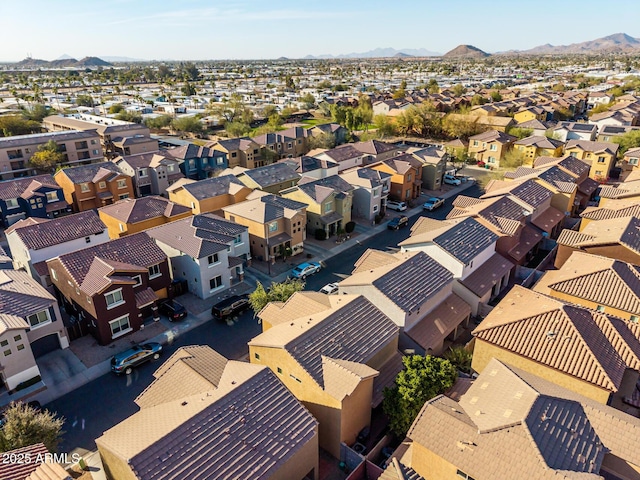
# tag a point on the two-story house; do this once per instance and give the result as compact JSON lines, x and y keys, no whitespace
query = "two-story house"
{"x":490,"y":147}
{"x":415,"y":291}
{"x":93,"y":186}
{"x":300,"y":137}
{"x":565,"y":131}
{"x":76,"y":147}
{"x":271,"y":178}
{"x":197,"y":162}
{"x":337,"y":131}
{"x":276,"y":145}
{"x":38,"y":196}
{"x":434,"y":164}
{"x":30,"y":326}
{"x":240,"y":152}
{"x":378,"y":151}
{"x":133,"y":215}
{"x":205,"y":250}
{"x":538,"y":146}
{"x":277,"y":226}
{"x":371,"y":190}
{"x":330,"y":201}
{"x":151,"y":172}
{"x":312,"y":166}
{"x":210,"y":194}
{"x":34,"y":241}
{"x":113,"y":287}
{"x":531,"y":113}
{"x":406,"y":176}
{"x":335,"y":354}
{"x":600,"y":155}
{"x":346,"y":156}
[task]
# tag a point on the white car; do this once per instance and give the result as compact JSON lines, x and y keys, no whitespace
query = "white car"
{"x":397,"y":206}
{"x":330,"y":289}
{"x":451,"y":180}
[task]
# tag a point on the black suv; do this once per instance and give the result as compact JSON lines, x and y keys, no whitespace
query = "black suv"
{"x":230,"y":307}
{"x":173,"y":310}
{"x":398,"y":222}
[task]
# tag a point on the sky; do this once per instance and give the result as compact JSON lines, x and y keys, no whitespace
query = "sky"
{"x":263,"y":29}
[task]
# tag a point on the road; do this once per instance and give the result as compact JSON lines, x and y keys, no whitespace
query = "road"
{"x":106,"y":401}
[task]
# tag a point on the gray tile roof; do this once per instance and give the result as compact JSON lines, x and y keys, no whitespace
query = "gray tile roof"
{"x":134,"y":210}
{"x":554,"y":175}
{"x":192,"y":150}
{"x":272,"y":174}
{"x":532,"y":193}
{"x":306,"y":164}
{"x":20,"y":296}
{"x":60,"y":230}
{"x":466,"y":240}
{"x":575,"y":166}
{"x":86,"y":173}
{"x":17,"y":187}
{"x":211,"y":187}
{"x":355,"y":332}
{"x":412,"y":282}
{"x":198,"y":236}
{"x":275,"y":206}
{"x":320,"y":188}
{"x":343,"y":153}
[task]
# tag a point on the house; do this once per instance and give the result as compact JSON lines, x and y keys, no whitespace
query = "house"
{"x":607,"y":133}
{"x":151,"y":172}
{"x":133,"y":215}
{"x":41,"y":465}
{"x":537,"y":127}
{"x":197,"y":162}
{"x":30,"y":326}
{"x":531,"y":113}
{"x":613,"y":238}
{"x":630,"y":160}
{"x":117,"y":137}
{"x":300,"y":137}
{"x":628,"y":190}
{"x":468,"y":250}
{"x":277,"y":226}
{"x":565,"y":131}
{"x":406,"y":176}
{"x":615,"y":208}
{"x":346,"y":156}
{"x":617,"y":118}
{"x":377,"y":150}
{"x":434,"y":164}
{"x":276,"y":146}
{"x":329,"y":201}
{"x":208,"y":195}
{"x":490,"y":147}
{"x":271,"y":178}
{"x":596,"y":99}
{"x":538,"y":146}
{"x":75,"y":146}
{"x":93,"y":186}
{"x":221,"y":411}
{"x":588,"y":352}
{"x":521,"y":414}
{"x":34,"y":241}
{"x":338,"y":132}
{"x":240,"y":152}
{"x":205,"y":250}
{"x":598,"y":283}
{"x":111,"y":288}
{"x":371,"y":189}
{"x":312,"y":167}
{"x":39,"y":197}
{"x":335,"y":354}
{"x":423,"y":306}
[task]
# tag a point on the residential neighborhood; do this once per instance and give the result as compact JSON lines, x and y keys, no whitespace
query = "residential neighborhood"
{"x":205,"y":271}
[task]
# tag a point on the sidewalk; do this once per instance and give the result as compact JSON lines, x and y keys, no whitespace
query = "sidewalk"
{"x":363,"y":233}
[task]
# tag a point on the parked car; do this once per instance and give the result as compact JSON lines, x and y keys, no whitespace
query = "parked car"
{"x":230,"y":307}
{"x":432,"y":203}
{"x":397,"y":206}
{"x":305,"y":269}
{"x":451,"y":180}
{"x":398,"y":222}
{"x":126,"y":361}
{"x":330,"y":288}
{"x":173,"y":310}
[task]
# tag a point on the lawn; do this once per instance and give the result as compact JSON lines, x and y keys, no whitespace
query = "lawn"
{"x":312,"y":122}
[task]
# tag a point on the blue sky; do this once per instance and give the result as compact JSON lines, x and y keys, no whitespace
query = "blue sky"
{"x":242,"y":29}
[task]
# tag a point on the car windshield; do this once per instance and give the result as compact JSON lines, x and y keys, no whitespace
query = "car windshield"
{"x":297,"y":269}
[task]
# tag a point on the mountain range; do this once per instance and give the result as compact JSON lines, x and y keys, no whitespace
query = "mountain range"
{"x":63,"y":62}
{"x":382,"y":53}
{"x":616,"y":43}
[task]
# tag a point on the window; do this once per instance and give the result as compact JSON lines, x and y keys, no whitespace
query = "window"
{"x":95,"y":152}
{"x":213,"y":259}
{"x":114,"y":298}
{"x":54,"y":274}
{"x":38,"y":319}
{"x":193,"y":205}
{"x":120,"y":326}
{"x":84,"y":187}
{"x":154,"y":271}
{"x":143,"y":172}
{"x":375,"y":208}
{"x":4,"y":343}
{"x":273,"y":227}
{"x":328,"y":207}
{"x":633,"y":161}
{"x":633,"y":318}
{"x":289,"y":145}
{"x":7,"y":352}
{"x":11,"y":202}
{"x":409,"y":177}
{"x":464,"y":476}
{"x":17,"y":338}
{"x":20,"y":347}
{"x":279,"y":370}
{"x":407,"y":194}
{"x":600,"y":308}
{"x":215,"y":282}
{"x":123,"y":196}
{"x":493,"y":148}
{"x":138,"y":279}
{"x":238,"y":239}
{"x":600,"y":159}
{"x":475,"y":143}
{"x":93,"y":142}
{"x":52,"y":196}
{"x":256,"y":356}
{"x":491,"y":160}
{"x":121,"y":227}
{"x":102,"y":185}
{"x":598,"y":172}
{"x":87,"y":239}
{"x":122,"y":183}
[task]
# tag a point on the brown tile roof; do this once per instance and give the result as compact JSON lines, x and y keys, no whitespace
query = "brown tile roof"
{"x":371,"y":259}
{"x":91,"y":173}
{"x":210,"y":187}
{"x":49,"y":471}
{"x":20,"y":470}
{"x":484,"y":278}
{"x":20,"y":296}
{"x":529,"y":238}
{"x":548,"y":219}
{"x":425,"y":225}
{"x":493,"y":136}
{"x":562,"y":337}
{"x":505,"y":214}
{"x":374,"y":147}
{"x":613,"y":209}
{"x":386,"y":378}
{"x":46,"y":233}
{"x":595,"y":147}
{"x":134,"y":210}
{"x":17,"y":187}
{"x":624,"y":231}
{"x":145,"y":297}
{"x":298,"y":305}
{"x":266,"y":208}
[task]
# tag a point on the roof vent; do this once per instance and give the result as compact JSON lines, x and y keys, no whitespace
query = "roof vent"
{"x":184,"y":404}
{"x":551,"y":335}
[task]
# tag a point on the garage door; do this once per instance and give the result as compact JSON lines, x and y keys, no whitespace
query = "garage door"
{"x":45,"y":345}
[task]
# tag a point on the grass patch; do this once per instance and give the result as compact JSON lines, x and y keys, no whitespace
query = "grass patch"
{"x":312,"y":122}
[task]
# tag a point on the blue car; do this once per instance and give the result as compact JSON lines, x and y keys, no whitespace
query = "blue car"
{"x":305,"y":269}
{"x":126,"y":361}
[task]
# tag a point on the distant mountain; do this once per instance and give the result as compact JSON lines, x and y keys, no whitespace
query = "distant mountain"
{"x":382,"y":53}
{"x":616,"y":43}
{"x":402,"y":55}
{"x":63,"y":63}
{"x":466,"y":51}
{"x":121,"y":59}
{"x":64,"y":56}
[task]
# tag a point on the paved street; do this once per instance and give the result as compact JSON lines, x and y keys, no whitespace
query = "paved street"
{"x":107,"y":400}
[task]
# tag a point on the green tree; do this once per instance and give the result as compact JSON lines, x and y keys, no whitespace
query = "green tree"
{"x":188,"y":90}
{"x":36,"y":113}
{"x":514,"y":158}
{"x":478,"y":99}
{"x":116,"y":108}
{"x":237,"y":129}
{"x":133,"y":117}
{"x":24,"y":426}
{"x":187,"y":124}
{"x":458,"y":90}
{"x":603,"y":107}
{"x":628,"y":140}
{"x":432,"y":86}
{"x":420,"y":120}
{"x":384,"y":126}
{"x":323,"y":140}
{"x":401,"y":92}
{"x":520,"y":133}
{"x":277,"y":292}
{"x":84,"y":101}
{"x":11,"y":125}
{"x":308,"y":102}
{"x":161,"y":121}
{"x":460,"y":357}
{"x":495,"y":96}
{"x":46,"y":157}
{"x":422,"y":379}
{"x":232,"y":110}
{"x":461,"y":126}
{"x":269,"y":110}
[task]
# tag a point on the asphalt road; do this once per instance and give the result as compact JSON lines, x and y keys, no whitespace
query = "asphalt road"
{"x":106,"y":401}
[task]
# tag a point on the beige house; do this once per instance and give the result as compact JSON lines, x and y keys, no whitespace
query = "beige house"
{"x":270,"y":178}
{"x":335,"y":354}
{"x":209,"y":195}
{"x":600,"y":155}
{"x":204,"y":416}
{"x":241,"y":152}
{"x":490,"y":147}
{"x":615,"y":208}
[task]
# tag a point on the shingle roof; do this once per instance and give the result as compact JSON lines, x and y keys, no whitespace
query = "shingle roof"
{"x":198,"y":236}
{"x":20,"y":296}
{"x":59,"y":230}
{"x":532,"y":193}
{"x":485,"y":277}
{"x":343,"y":152}
{"x":465,"y":240}
{"x":555,"y":175}
{"x":596,"y":147}
{"x":17,"y":187}
{"x":212,"y":187}
{"x":506,"y":215}
{"x":266,"y":208}
{"x":540,"y":141}
{"x":625,"y":231}
{"x":613,"y":209}
{"x":493,"y":136}
{"x":575,"y":166}
{"x":91,"y":173}
{"x":272,"y":174}
{"x":321,"y":188}
{"x":306,"y":163}
{"x":134,"y":210}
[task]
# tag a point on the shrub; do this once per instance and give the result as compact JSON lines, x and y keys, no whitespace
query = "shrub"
{"x":320,"y":234}
{"x":349,"y":227}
